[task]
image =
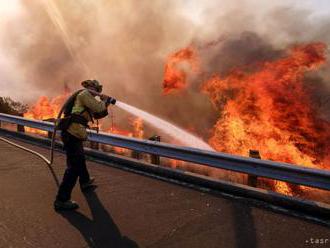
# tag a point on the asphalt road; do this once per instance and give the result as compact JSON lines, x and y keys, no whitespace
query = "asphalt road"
{"x":130,"y":210}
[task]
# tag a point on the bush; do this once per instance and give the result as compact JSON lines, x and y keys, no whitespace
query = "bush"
{"x":9,"y":106}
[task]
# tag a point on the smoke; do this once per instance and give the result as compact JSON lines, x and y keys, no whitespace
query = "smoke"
{"x":124,"y":44}
{"x":242,"y":38}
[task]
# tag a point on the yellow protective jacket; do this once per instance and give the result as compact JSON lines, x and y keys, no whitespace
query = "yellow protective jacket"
{"x":85,"y":101}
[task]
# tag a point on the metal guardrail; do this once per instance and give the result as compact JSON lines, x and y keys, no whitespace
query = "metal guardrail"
{"x":264,"y":168}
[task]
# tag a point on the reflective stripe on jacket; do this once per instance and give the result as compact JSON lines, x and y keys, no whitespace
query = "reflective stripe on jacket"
{"x":84,"y":101}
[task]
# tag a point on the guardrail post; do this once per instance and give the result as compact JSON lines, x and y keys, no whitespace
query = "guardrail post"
{"x":20,"y":128}
{"x":136,"y":154}
{"x":95,"y":145}
{"x":49,"y":133}
{"x":252,"y":179}
{"x":155,"y":159}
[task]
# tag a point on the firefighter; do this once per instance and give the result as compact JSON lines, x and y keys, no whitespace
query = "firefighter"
{"x":83,"y":109}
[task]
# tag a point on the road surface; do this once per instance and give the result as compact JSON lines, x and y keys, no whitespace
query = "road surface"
{"x":130,"y":210}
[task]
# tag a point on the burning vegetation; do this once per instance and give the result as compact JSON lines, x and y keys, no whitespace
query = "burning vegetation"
{"x":177,"y":67}
{"x":269,"y":110}
{"x":45,"y":109}
{"x":267,"y":107}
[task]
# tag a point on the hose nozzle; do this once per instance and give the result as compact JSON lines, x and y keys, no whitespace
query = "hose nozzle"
{"x":111,"y":100}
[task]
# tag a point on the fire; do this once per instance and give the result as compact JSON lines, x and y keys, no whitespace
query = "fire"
{"x":137,"y":125}
{"x":269,"y":109}
{"x":48,"y":108}
{"x":116,"y":130}
{"x":176,"y":163}
{"x":176,"y":67}
{"x":45,"y":108}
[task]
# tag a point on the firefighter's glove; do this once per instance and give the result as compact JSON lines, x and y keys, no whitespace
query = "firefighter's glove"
{"x":108,"y":99}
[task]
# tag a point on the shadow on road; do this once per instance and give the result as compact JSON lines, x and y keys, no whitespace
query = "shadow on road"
{"x":245,"y":232}
{"x":101,"y":231}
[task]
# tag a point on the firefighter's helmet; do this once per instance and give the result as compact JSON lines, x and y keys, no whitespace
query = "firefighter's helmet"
{"x":92,"y":83}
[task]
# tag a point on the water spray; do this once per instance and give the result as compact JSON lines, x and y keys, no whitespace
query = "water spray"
{"x":168,"y":128}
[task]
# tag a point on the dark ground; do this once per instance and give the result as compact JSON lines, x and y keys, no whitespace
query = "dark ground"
{"x":130,"y":210}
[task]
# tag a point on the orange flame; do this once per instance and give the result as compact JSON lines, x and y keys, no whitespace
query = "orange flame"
{"x":137,"y":132}
{"x":116,"y":130}
{"x":137,"y":124}
{"x":268,"y":109}
{"x":44,"y":109}
{"x":176,"y":67}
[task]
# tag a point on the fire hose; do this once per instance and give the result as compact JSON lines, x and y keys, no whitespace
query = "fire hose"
{"x":55,"y":129}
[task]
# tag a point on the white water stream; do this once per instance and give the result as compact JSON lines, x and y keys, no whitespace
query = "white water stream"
{"x":173,"y":131}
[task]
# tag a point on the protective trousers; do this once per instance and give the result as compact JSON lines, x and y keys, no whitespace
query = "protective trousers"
{"x":76,"y":166}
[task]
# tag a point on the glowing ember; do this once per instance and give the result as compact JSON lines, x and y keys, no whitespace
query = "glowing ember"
{"x":177,"y":65}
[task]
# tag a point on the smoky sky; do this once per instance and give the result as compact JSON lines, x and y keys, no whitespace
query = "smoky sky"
{"x":125,"y":44}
